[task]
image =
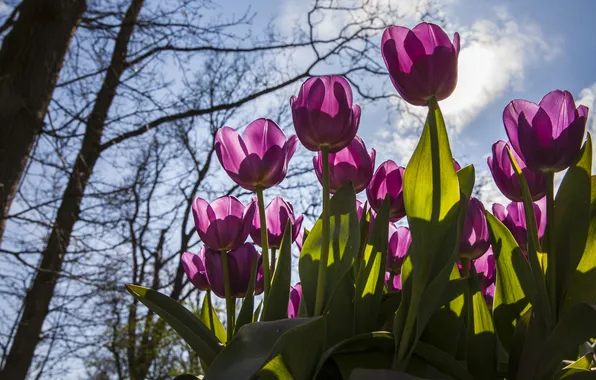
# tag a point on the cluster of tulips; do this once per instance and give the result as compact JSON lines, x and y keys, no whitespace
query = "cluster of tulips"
{"x":499,"y":280}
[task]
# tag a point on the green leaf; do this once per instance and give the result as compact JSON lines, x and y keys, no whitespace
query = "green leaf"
{"x":371,"y":277}
{"x":431,"y":196}
{"x":257,"y":311}
{"x":275,"y":370}
{"x":581,"y":285}
{"x":574,"y":328}
{"x":212,"y":322}
{"x":185,"y":323}
{"x":389,"y":304}
{"x":245,"y":315}
{"x":339,"y":313}
{"x":541,"y":303}
{"x":581,"y":365}
{"x":572,"y":220}
{"x":480,"y":337}
{"x":441,"y":361}
{"x":186,"y":376}
{"x":297,"y":340}
{"x":515,"y":287}
{"x":343,"y":247}
{"x":276,"y":305}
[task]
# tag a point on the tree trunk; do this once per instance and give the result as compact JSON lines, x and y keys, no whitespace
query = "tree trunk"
{"x":38,"y":298}
{"x":31,"y":57}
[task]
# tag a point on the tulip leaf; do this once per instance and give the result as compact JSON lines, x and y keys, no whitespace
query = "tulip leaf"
{"x":212,"y":321}
{"x":297,"y":340}
{"x":528,"y":338}
{"x":275,"y":370}
{"x":276,"y":305}
{"x":515,"y":287}
{"x":186,"y":324}
{"x":572,"y":219}
{"x":371,"y":277}
{"x":339,"y":313}
{"x":257,"y":312}
{"x":541,"y":303}
{"x":245,"y":315}
{"x":580,"y":366}
{"x":389,"y":304}
{"x":381,"y":374}
{"x":480,"y":337}
{"x":445,"y":325}
{"x":574,"y":328}
{"x":343,"y":247}
{"x":186,"y":376}
{"x":432,"y":200}
{"x":442,"y":361}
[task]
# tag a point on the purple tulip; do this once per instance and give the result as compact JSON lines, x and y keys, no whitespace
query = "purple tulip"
{"x":223,"y":224}
{"x":474,"y":240}
{"x":257,"y":158}
{"x":351,"y":164}
{"x":456,"y":165}
{"x":399,"y":243}
{"x":547,"y":135}
{"x":240,"y":265}
{"x":388,"y":179}
{"x":505,"y":178}
{"x":422,"y":62}
{"x":323,"y":113}
{"x":487,"y":267}
{"x":514,"y":218}
{"x":277,"y":213}
{"x":294,"y":303}
{"x":194,"y":267}
{"x":395,"y":285}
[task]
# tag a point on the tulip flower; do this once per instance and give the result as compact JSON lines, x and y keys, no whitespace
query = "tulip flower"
{"x":224,"y":224}
{"x":277,"y":213}
{"x":474,"y":240}
{"x":351,"y":164}
{"x":514,"y":218}
{"x":323,"y":113}
{"x":399,"y":243}
{"x":194,"y":267}
{"x":422,"y":62}
{"x":486,"y":266}
{"x":257,"y":158}
{"x":239,"y":265}
{"x":547,"y":135}
{"x":456,"y":165}
{"x":388,"y":179}
{"x":505,"y":178}
{"x":393,"y":282}
{"x":294,"y":302}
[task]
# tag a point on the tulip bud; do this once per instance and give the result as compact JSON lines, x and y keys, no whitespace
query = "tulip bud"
{"x":194,"y":267}
{"x":393,"y":282}
{"x":351,"y":164}
{"x":388,"y":179}
{"x":474,"y":240}
{"x":239,"y":265}
{"x":547,"y":135}
{"x":399,"y":243}
{"x":277,"y":214}
{"x":514,"y":218}
{"x":422,"y":62}
{"x":259,"y":157}
{"x":323,"y":113}
{"x":294,"y":302}
{"x":224,"y":224}
{"x":506,"y":179}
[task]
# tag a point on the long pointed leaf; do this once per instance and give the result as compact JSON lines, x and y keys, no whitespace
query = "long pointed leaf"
{"x":276,"y":305}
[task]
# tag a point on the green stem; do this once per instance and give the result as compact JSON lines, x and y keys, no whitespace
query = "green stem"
{"x":264,"y":242}
{"x":230,"y":304}
{"x":465,"y":263}
{"x":551,"y":274}
{"x":326,"y":232}
{"x":273,"y":261}
{"x":210,"y":306}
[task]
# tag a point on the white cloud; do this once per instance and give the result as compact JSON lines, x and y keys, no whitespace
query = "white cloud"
{"x":494,"y":57}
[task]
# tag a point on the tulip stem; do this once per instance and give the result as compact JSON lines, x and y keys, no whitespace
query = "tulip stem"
{"x":326,"y":232}
{"x":551,"y":275}
{"x":273,"y":261}
{"x":264,"y":242}
{"x":210,"y":306}
{"x":230,"y":304}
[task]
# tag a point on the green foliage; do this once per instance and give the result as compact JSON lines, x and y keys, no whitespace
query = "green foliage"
{"x":276,"y":305}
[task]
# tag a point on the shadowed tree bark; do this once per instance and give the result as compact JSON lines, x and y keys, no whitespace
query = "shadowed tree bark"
{"x":31,"y":57}
{"x":37,"y":301}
